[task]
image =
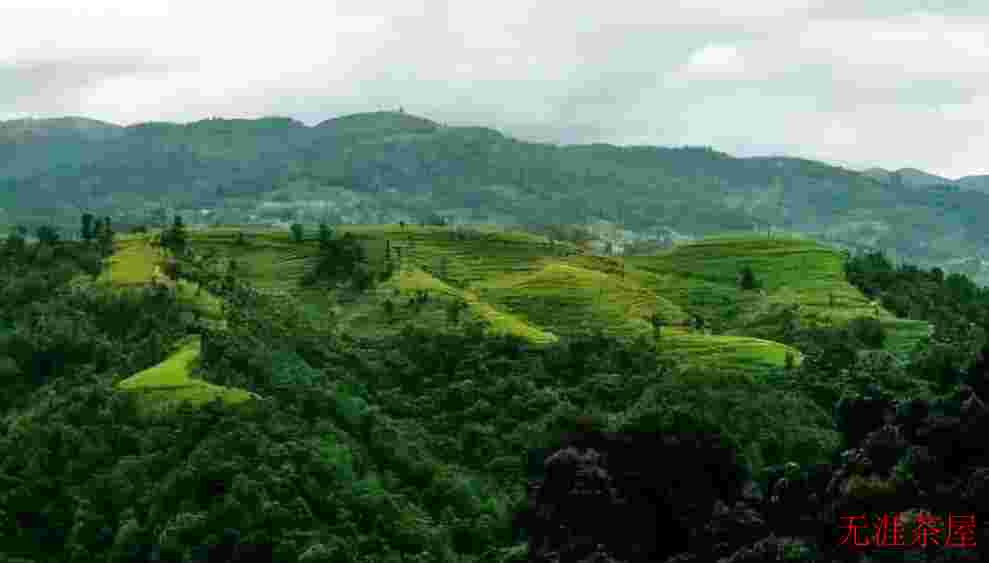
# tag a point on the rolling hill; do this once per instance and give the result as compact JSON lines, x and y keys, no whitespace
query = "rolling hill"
{"x":399,"y":432}
{"x":383,"y":167}
{"x":521,"y":284}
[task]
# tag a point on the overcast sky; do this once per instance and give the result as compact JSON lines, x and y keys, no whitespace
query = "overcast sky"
{"x":891,"y":83}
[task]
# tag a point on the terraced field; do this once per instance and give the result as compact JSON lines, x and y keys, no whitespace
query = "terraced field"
{"x":168,"y":384}
{"x":563,"y":298}
{"x":702,"y":277}
{"x":525,"y":285}
{"x":462,"y":259}
{"x":136,"y":263}
{"x":736,"y":355}
{"x":133,"y":262}
{"x":409,"y":280}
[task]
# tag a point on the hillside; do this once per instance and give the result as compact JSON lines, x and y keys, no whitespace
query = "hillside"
{"x":232,"y":414}
{"x":382,"y":167}
{"x":520,"y":284}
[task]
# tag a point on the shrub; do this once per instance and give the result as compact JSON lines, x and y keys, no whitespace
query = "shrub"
{"x":869,"y":331}
{"x":746,"y":278}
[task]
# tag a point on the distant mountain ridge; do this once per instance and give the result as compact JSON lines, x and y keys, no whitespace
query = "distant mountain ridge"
{"x":382,"y":167}
{"x":916,"y":178}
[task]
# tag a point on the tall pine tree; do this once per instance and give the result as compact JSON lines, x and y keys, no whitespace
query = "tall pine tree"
{"x":177,"y":238}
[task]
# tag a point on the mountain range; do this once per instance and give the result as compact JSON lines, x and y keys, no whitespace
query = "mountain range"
{"x":384,"y":167}
{"x":915,"y":178}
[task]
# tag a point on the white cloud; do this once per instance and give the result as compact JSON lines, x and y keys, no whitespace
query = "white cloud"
{"x":716,"y":60}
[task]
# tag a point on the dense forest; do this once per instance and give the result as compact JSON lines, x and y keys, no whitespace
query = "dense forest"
{"x":412,"y":447}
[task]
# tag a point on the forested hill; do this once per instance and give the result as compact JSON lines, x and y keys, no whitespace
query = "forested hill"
{"x":388,"y":166}
{"x":387,"y":393}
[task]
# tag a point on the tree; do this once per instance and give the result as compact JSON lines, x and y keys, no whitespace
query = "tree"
{"x":298,"y":232}
{"x":657,"y":322}
{"x":47,"y":234}
{"x":106,"y":237}
{"x":453,"y":310}
{"x":389,"y":308}
{"x":747,"y":278}
{"x":442,"y":267}
{"x":8,"y":370}
{"x":177,"y":236}
{"x":91,"y":262}
{"x":868,"y":331}
{"x":361,"y":277}
{"x":16,"y":242}
{"x":98,"y":228}
{"x":435,"y":220}
{"x":789,"y":361}
{"x":325,"y":236}
{"x":87,"y":227}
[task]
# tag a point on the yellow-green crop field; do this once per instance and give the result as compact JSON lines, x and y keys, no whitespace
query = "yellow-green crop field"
{"x":528,"y":286}
{"x":169,"y":384}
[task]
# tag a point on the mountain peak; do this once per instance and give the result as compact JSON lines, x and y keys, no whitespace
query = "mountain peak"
{"x":378,"y":122}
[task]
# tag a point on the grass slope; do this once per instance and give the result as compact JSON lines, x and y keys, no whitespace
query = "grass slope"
{"x":132,"y":263}
{"x":164,"y":386}
{"x":702,"y":277}
{"x":564,"y":297}
{"x":136,"y":263}
{"x":410,"y":280}
{"x":524,"y":285}
{"x":734,"y":355}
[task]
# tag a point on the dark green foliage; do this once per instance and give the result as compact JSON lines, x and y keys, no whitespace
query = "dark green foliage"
{"x":407,"y":447}
{"x":16,"y":242}
{"x":361,"y":277}
{"x":298,"y":232}
{"x":106,"y":237}
{"x":435,"y":220}
{"x":87,"y":227}
{"x":453,"y":310}
{"x":956,"y":306}
{"x":388,"y":271}
{"x":241,"y":239}
{"x":868,"y":331}
{"x":342,"y":258}
{"x":47,"y":234}
{"x":176,"y":238}
{"x":657,"y":322}
{"x":91,"y":263}
{"x":746,"y":278}
{"x":325,"y":236}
